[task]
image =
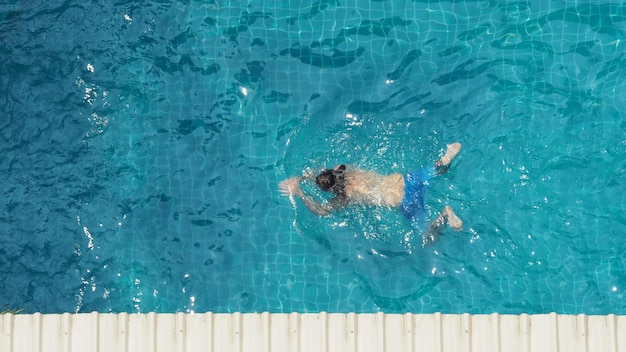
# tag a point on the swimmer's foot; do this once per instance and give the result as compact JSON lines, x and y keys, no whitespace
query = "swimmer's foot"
{"x":443,"y":164}
{"x":436,"y":227}
{"x":451,"y":153}
{"x":454,"y":221}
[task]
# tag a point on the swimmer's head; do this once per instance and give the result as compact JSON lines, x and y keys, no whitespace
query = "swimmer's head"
{"x":332,"y":180}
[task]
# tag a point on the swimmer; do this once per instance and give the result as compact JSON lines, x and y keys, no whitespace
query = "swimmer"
{"x":354,"y":186}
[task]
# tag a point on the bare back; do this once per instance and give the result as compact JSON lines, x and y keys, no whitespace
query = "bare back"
{"x":370,"y":188}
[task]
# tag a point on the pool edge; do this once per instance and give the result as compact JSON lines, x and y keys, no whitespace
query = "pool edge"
{"x":311,"y":332}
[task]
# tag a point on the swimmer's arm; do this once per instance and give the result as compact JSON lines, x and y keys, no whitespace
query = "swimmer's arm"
{"x":291,"y":186}
{"x":320,"y":209}
{"x":314,"y":206}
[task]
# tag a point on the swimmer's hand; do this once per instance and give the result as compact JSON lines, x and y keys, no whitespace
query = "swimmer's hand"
{"x":291,"y":186}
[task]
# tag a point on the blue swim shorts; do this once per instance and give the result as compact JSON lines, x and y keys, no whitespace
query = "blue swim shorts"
{"x":415,"y":185}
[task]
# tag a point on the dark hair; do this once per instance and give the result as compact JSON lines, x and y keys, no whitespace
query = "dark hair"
{"x":332,"y":180}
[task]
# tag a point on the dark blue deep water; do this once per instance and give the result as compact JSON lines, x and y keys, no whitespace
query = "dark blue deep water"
{"x":142,"y":143}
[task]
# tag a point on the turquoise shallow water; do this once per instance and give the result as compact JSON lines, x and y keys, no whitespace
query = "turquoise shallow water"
{"x":142,"y":145}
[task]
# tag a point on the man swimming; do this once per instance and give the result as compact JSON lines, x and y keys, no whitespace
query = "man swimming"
{"x":354,"y":186}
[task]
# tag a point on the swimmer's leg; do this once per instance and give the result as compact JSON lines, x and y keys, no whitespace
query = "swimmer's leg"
{"x":442,"y":165}
{"x":436,"y":227}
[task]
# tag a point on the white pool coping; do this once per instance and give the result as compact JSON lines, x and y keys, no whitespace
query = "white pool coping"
{"x":319,"y":332}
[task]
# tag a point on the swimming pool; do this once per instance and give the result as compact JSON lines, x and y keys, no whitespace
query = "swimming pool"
{"x":142,"y":147}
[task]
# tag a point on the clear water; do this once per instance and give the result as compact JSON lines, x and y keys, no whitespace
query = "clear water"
{"x":142,"y":144}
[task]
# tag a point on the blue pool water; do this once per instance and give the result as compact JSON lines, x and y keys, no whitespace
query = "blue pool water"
{"x":142,"y":144}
